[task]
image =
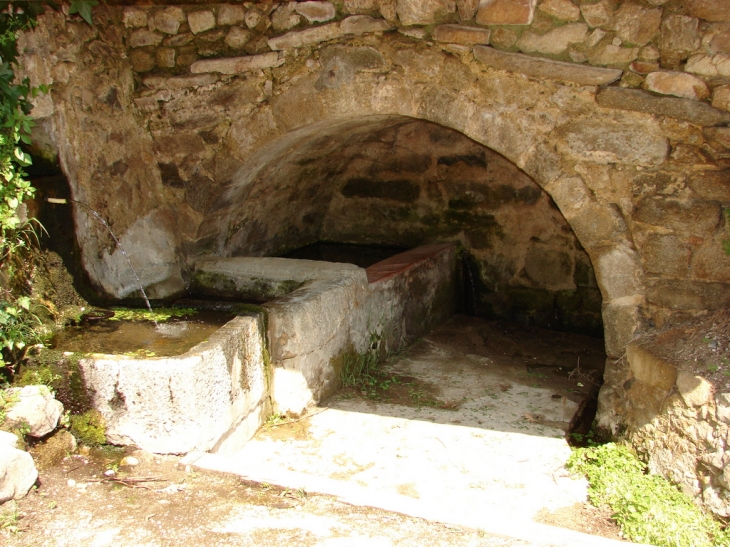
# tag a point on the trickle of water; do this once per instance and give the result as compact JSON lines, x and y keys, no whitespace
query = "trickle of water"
{"x":470,"y":291}
{"x":60,"y":201}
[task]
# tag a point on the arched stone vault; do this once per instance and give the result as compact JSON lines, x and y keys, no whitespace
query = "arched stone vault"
{"x":634,"y":187}
{"x":545,"y":128}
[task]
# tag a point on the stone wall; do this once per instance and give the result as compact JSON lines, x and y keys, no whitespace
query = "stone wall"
{"x":678,"y":420}
{"x":337,"y":311}
{"x":201,"y":130}
{"x":418,"y":182}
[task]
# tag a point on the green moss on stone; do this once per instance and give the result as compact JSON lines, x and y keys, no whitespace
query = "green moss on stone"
{"x":212,"y":283}
{"x":89,"y":428}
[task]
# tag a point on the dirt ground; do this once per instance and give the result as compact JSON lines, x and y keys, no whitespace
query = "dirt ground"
{"x":99,"y":498}
{"x":701,"y":346}
{"x":158,"y":503}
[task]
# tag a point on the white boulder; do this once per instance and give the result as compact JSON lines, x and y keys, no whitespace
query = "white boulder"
{"x":35,"y":407}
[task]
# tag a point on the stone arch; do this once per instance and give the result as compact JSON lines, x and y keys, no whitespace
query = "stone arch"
{"x":545,"y":148}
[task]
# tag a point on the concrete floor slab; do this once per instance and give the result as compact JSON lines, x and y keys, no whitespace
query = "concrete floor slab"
{"x":474,"y":439}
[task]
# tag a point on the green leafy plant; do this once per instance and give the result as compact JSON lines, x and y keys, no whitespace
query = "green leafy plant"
{"x":648,"y":508}
{"x":17,"y":231}
{"x":83,"y":8}
{"x":17,"y":331}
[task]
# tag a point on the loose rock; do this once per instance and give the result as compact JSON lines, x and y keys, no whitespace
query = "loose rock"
{"x":35,"y":407}
{"x":17,"y":472}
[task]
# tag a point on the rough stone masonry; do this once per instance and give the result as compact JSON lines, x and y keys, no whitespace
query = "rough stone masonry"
{"x":185,"y":126}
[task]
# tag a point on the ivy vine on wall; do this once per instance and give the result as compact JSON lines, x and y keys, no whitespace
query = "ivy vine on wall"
{"x":17,"y":322}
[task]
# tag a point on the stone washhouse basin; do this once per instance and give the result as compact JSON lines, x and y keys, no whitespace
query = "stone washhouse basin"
{"x":283,"y":359}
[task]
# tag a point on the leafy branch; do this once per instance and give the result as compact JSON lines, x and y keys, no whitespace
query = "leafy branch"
{"x":17,"y":323}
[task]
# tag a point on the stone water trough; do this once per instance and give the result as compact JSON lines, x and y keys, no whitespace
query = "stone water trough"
{"x":282,"y":359}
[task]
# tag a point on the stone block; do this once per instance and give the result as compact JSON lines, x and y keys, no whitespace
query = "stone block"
{"x":545,"y":68}
{"x":643,"y":67}
{"x":720,"y":43}
{"x":722,"y":400}
{"x":178,"y":40}
{"x":621,"y":323}
{"x":666,"y":255}
{"x":423,"y":12}
{"x":711,"y":185}
{"x":200,"y":21}
{"x":687,"y":217}
{"x":144,"y":37}
{"x":417,"y":33}
{"x":721,"y":97}
{"x":17,"y":473}
{"x":695,"y":390}
{"x":548,"y":268}
{"x":689,"y":295}
{"x":708,"y":65}
{"x":35,"y":407}
{"x":209,"y":390}
{"x":618,"y":272}
{"x":555,"y":41}
{"x":644,"y":403}
{"x":231,"y":14}
{"x":506,"y":12}
{"x":649,"y":53}
{"x":237,"y":37}
{"x":682,"y":109}
{"x":235,"y":65}
{"x":459,"y":34}
{"x":283,"y":18}
{"x":148,"y":104}
{"x":565,"y":10}
{"x":467,"y":9}
{"x":718,"y":137}
{"x":597,"y":15}
{"x":307,"y":37}
{"x":168,"y":20}
{"x":612,"y":142}
{"x":165,"y":57}
{"x":612,"y":54}
{"x":635,"y":24}
{"x":134,"y":18}
{"x":649,"y":368}
{"x":179,"y":82}
{"x":503,"y":37}
{"x":359,"y":7}
{"x":709,"y":10}
{"x":363,"y":24}
{"x":679,"y":33}
{"x":596,"y":223}
{"x":388,"y":9}
{"x":316,"y":12}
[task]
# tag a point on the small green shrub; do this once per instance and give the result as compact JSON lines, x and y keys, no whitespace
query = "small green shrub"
{"x":648,"y":508}
{"x":89,"y":428}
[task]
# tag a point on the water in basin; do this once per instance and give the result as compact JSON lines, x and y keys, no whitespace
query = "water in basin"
{"x":174,"y":336}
